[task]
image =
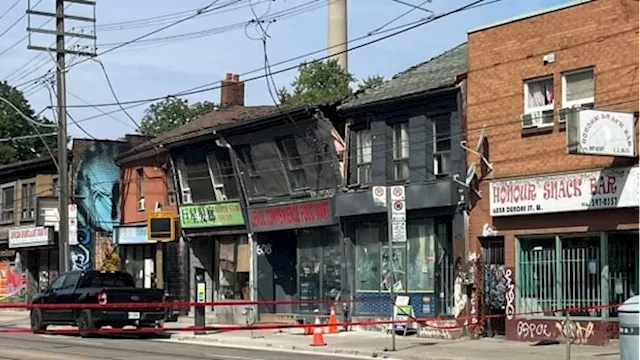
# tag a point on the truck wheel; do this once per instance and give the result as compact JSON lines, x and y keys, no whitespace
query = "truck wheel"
{"x":86,"y":324}
{"x":37,"y":326}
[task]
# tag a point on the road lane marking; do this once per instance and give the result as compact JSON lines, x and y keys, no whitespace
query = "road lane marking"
{"x":38,"y":354}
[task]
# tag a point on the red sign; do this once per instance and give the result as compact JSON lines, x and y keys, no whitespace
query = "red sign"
{"x":293,"y":215}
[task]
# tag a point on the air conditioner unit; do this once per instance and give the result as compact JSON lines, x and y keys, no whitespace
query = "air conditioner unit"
{"x":563,"y":114}
{"x":530,"y":120}
{"x":157,"y":206}
{"x":141,"y":205}
{"x":186,"y":196}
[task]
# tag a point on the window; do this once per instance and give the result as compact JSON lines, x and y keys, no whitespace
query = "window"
{"x":8,"y":203}
{"x":224,"y":181}
{"x":292,"y":162}
{"x":244,"y":153}
{"x":577,"y":88}
{"x":140,"y":182}
{"x":421,"y":244}
{"x":195,"y":176}
{"x":538,"y":95}
{"x":624,"y":255}
{"x":363,"y":156}
{"x":401,"y":151}
{"x":58,"y":283}
{"x":55,"y":186}
{"x":575,"y":263}
{"x":233,"y":269}
{"x":28,"y":201}
{"x":442,"y":145}
{"x":368,"y":257}
{"x":70,"y":281}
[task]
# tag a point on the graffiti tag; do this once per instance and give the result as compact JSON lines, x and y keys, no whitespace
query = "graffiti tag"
{"x":432,"y":330}
{"x":578,"y":333}
{"x":510,"y":296}
{"x":532,"y":330}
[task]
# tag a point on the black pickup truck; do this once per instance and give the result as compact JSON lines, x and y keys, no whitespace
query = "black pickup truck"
{"x":96,"y":287}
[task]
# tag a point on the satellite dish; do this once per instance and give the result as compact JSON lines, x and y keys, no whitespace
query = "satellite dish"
{"x":471,"y":173}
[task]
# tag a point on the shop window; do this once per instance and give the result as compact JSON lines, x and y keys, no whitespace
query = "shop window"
{"x":368,"y":257}
{"x":8,"y":203}
{"x":137,"y":260}
{"x":399,"y":258}
{"x":292,"y":162}
{"x":578,"y":88}
{"x":623,"y":250}
{"x":363,"y":156}
{"x":442,"y":145}
{"x":421,"y":256}
{"x":573,"y":262}
{"x":233,"y":269}
{"x":28,"y":200}
{"x":401,"y":151}
{"x":244,"y":153}
{"x":310,"y":265}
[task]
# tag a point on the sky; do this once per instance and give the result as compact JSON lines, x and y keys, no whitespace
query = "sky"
{"x":218,"y":43}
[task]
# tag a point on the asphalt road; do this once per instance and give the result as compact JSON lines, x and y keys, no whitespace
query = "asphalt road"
{"x":61,"y":347}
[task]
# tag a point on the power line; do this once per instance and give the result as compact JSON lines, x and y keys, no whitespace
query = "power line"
{"x":9,"y":9}
{"x":205,"y":89}
{"x":16,"y":23}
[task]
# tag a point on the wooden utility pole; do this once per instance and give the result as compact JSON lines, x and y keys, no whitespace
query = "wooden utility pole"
{"x":60,"y":51}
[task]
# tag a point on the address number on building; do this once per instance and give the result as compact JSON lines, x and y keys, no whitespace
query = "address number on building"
{"x":264,"y":249}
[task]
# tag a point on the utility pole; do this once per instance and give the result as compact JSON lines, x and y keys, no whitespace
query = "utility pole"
{"x":61,"y":50}
{"x":337,"y":32}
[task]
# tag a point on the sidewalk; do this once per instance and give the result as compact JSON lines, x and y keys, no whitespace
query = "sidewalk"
{"x":373,"y":344}
{"x":14,"y":318}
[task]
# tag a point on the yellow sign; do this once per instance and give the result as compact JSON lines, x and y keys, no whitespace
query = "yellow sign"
{"x":161,"y":226}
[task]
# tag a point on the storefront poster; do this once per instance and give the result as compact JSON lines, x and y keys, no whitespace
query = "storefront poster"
{"x":578,"y":191}
{"x":211,"y":215}
{"x":30,"y":237}
{"x":12,"y":282}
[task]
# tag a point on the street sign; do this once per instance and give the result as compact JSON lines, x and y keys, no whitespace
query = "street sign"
{"x":398,"y":211}
{"x":379,"y":194}
{"x":397,"y":193}
{"x":399,"y":231}
{"x":161,"y":226}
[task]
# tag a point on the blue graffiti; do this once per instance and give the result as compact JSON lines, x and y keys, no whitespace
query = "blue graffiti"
{"x":81,"y":253}
{"x":97,"y":186}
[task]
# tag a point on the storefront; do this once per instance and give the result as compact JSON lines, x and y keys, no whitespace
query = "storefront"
{"x":137,"y":254}
{"x":12,"y":277}
{"x":574,"y":244}
{"x":219,"y":247}
{"x":300,"y":256}
{"x":36,"y":251}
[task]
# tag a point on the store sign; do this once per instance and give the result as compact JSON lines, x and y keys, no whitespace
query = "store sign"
{"x":211,"y":215}
{"x":595,"y":132}
{"x":315,"y":213}
{"x":131,"y":235}
{"x":587,"y":190}
{"x":30,"y":237}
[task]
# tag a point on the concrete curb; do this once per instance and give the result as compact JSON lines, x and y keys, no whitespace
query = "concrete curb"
{"x":340,"y":352}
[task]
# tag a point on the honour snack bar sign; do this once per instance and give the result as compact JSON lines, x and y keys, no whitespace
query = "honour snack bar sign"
{"x":579,"y":191}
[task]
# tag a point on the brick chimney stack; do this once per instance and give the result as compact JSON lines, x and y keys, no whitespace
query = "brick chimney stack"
{"x":232,"y":91}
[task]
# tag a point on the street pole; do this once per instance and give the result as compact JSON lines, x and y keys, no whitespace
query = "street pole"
{"x":63,"y":177}
{"x":390,"y":244}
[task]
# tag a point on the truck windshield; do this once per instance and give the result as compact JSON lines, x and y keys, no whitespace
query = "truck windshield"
{"x":117,"y":279}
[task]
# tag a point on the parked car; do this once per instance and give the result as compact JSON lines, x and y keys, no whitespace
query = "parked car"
{"x":97,"y":287}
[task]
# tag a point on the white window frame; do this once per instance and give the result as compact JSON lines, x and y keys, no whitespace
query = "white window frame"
{"x":527,"y":109}
{"x":359,"y":164}
{"x":2,"y":202}
{"x":23,"y":183}
{"x":398,"y":158}
{"x":569,"y":104}
{"x":218,"y":188}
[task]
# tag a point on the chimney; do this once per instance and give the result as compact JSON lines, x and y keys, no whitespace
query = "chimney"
{"x":232,"y":91}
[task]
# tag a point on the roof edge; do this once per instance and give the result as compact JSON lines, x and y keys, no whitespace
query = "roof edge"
{"x":529,"y":15}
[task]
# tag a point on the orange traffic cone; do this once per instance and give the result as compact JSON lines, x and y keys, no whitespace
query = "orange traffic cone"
{"x":333,"y":321}
{"x":318,"y":338}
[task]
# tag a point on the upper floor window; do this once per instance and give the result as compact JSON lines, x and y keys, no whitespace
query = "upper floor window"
{"x":55,"y":186}
{"x":401,"y":151}
{"x":292,"y":162}
{"x":363,"y":156}
{"x":442,"y":145}
{"x":224,"y":181}
{"x":28,"y":200}
{"x":244,"y":153}
{"x":140,"y":182}
{"x":8,"y":203}
{"x":195,"y":177}
{"x":578,"y":88}
{"x":538,"y":95}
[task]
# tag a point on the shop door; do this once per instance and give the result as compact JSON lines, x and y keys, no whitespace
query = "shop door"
{"x":494,"y":284}
{"x":277,"y":277}
{"x":138,"y":261}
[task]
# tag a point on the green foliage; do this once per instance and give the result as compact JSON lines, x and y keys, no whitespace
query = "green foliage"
{"x":318,"y":82}
{"x":371,"y":82}
{"x":12,"y":124}
{"x":168,"y":114}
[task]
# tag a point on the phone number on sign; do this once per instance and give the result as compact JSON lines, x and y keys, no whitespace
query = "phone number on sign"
{"x":603,"y":201}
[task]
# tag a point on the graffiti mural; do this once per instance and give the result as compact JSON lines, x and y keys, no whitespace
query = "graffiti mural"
{"x":597,"y":332}
{"x":81,"y":258}
{"x":495,"y":285}
{"x":510,"y":296}
{"x":97,"y":183}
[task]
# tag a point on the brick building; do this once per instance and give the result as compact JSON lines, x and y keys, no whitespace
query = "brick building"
{"x":557,"y":94}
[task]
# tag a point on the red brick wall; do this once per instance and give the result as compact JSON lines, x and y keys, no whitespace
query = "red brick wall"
{"x":603,"y":34}
{"x":155,"y":188}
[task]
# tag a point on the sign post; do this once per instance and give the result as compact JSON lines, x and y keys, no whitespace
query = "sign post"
{"x":161,"y":227}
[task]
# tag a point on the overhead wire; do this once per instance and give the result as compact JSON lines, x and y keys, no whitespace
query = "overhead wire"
{"x":9,"y":9}
{"x":16,"y":23}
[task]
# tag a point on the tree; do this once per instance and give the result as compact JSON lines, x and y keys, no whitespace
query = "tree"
{"x":13,"y":125}
{"x":318,"y":82}
{"x":168,"y":114}
{"x":371,"y":82}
